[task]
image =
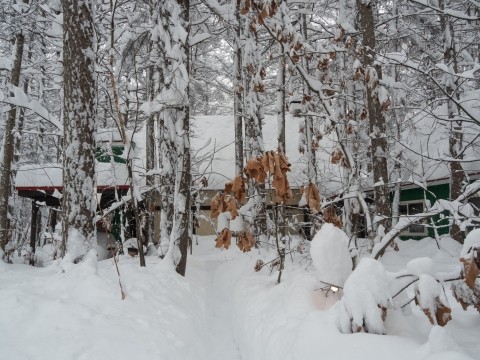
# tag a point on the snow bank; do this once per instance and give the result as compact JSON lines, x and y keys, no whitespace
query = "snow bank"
{"x":290,"y":320}
{"x":50,"y":314}
{"x":223,"y":310}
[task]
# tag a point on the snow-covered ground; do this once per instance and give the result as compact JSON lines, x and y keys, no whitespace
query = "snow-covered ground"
{"x":223,"y":309}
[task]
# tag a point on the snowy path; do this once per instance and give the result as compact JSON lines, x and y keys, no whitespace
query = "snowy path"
{"x":202,"y":269}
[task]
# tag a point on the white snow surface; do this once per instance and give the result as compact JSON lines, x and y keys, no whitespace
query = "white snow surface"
{"x":330,"y":255}
{"x":222,"y":309}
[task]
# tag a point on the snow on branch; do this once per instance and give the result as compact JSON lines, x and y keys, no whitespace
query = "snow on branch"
{"x":20,"y":99}
{"x":450,"y":12}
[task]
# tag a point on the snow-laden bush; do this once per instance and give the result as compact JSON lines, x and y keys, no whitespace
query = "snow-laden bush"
{"x":365,"y":300}
{"x":467,"y":290}
{"x":330,"y":255}
{"x":429,"y":296}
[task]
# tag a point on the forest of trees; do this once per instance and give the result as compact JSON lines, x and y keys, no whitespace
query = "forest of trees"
{"x":360,"y":72}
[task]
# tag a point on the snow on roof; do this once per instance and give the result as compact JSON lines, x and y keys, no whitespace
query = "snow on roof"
{"x":39,"y":175}
{"x":49,"y":176}
{"x":109,"y":174}
{"x":214,"y":148}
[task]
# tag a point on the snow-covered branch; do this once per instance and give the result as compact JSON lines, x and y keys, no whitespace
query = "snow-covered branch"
{"x":406,"y":221}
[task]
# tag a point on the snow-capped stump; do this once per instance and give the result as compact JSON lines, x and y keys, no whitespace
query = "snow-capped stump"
{"x":428,"y":295}
{"x":365,"y":300}
{"x":467,"y":291}
{"x":330,"y":255}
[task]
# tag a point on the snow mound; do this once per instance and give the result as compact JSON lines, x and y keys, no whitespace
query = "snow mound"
{"x":365,"y":299}
{"x":419,"y":266}
{"x":330,"y":255}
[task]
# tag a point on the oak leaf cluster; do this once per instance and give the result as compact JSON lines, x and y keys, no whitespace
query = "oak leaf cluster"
{"x":245,"y":241}
{"x":312,"y":197}
{"x":273,"y":164}
{"x":467,"y":291}
{"x":224,"y":239}
{"x":330,"y":216}
{"x":222,"y":203}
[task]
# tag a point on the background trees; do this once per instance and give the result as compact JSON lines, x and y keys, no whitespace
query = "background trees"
{"x":362,"y":75}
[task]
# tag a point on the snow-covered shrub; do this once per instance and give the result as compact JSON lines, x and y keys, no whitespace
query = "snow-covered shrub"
{"x":330,"y":255}
{"x":365,"y":300}
{"x":428,"y":295}
{"x":467,"y":291}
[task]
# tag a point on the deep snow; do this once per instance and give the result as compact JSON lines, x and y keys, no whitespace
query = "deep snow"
{"x":223,"y":309}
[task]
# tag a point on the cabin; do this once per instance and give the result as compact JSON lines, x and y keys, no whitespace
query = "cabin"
{"x":415,"y":199}
{"x":423,"y":181}
{"x":213,"y":143}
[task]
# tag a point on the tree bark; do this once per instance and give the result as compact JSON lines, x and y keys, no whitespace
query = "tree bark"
{"x":33,"y":232}
{"x":79,"y":116}
{"x":238,"y":97}
{"x":377,"y":124}
{"x":176,"y":115}
{"x":455,"y":140}
{"x":150,"y":165}
{"x":9,"y":147}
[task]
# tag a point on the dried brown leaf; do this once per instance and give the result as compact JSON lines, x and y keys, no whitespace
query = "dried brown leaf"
{"x":231,"y":203}
{"x":330,"y":216}
{"x":224,"y":239}
{"x":258,"y":265}
{"x":312,"y":196}
{"x":470,"y":272}
{"x":217,"y":205}
{"x":245,"y":241}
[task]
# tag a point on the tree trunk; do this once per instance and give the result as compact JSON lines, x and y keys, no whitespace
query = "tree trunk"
{"x":33,"y":232}
{"x":79,"y":116}
{"x":182,"y":214}
{"x":455,"y":141}
{"x":253,"y":123}
{"x":176,"y":112}
{"x":377,"y":124}
{"x":9,"y":147}
{"x":150,"y":165}
{"x":238,"y":97}
{"x":167,"y":182}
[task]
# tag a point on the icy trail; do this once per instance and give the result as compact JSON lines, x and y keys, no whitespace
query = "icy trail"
{"x":202,"y":270}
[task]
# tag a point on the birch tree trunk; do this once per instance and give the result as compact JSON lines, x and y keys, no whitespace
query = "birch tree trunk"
{"x":79,"y":116}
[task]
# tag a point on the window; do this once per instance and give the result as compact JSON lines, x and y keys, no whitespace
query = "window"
{"x":412,"y":208}
{"x":103,"y":154}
